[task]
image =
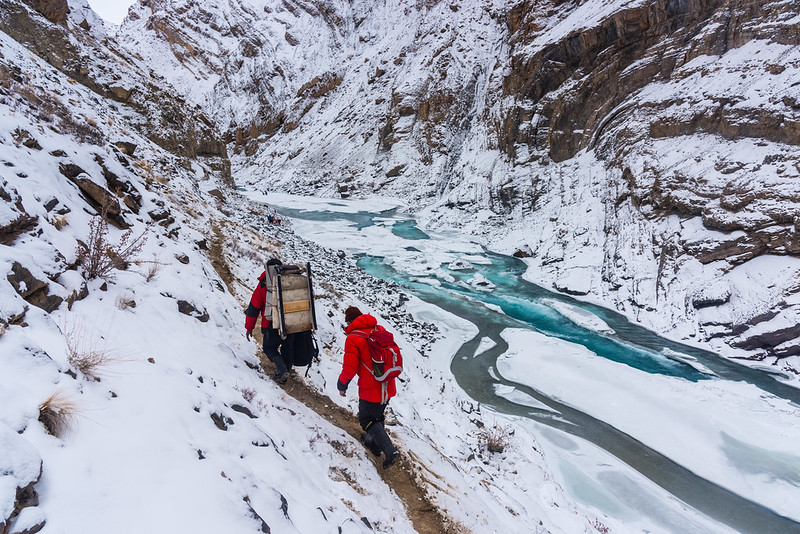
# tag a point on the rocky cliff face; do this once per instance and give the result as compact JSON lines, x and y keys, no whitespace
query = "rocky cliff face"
{"x":643,"y":152}
{"x":66,"y":39}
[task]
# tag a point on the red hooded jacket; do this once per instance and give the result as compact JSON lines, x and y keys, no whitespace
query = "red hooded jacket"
{"x":256,"y":307}
{"x":357,"y":361}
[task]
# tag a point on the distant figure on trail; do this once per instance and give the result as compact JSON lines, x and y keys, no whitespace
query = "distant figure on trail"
{"x":373,"y":394}
{"x":279,"y":351}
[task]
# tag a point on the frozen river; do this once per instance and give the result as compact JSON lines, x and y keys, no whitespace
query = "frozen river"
{"x":686,"y":424}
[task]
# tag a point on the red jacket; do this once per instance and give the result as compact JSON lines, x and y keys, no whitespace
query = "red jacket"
{"x":357,"y":360}
{"x":256,"y":307}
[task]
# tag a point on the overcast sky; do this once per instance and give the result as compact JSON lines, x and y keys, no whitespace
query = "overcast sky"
{"x":111,"y":10}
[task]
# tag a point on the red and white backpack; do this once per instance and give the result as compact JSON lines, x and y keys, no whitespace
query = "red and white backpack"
{"x":387,"y":362}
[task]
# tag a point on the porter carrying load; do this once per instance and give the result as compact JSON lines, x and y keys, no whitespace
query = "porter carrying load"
{"x":293,"y":299}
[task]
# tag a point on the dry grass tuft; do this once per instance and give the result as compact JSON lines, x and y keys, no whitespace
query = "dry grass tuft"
{"x":57,"y":414}
{"x":59,"y":221}
{"x":86,"y":354}
{"x":125,"y":300}
{"x":152,"y":269}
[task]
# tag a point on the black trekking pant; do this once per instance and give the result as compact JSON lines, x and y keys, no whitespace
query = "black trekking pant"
{"x":283,"y":358}
{"x":371,"y":417}
{"x":370,"y":412}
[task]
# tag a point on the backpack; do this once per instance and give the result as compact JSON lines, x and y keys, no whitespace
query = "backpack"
{"x":387,"y":362}
{"x":306,"y":349}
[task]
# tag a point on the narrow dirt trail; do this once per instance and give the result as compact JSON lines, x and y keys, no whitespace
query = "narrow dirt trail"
{"x":424,"y":515}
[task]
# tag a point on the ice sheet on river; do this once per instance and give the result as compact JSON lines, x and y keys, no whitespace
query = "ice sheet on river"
{"x":731,"y":426}
{"x":579,"y":316}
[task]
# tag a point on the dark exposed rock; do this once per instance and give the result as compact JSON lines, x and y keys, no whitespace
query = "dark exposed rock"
{"x":784,"y":350}
{"x":710,"y":299}
{"x":77,"y":295}
{"x":11,"y":231}
{"x":522,"y":253}
{"x":289,"y":39}
{"x":55,"y":11}
{"x":320,"y":86}
{"x":126,"y":147}
{"x":119,"y":93}
{"x":97,"y":196}
{"x":736,"y":251}
{"x":395,"y":171}
{"x":33,"y":290}
{"x":768,"y":339}
{"x":131,"y":197}
{"x":221,"y":421}
{"x":264,"y":526}
{"x":159,"y":214}
{"x":187,"y":308}
{"x":50,"y":204}
{"x":243,"y":410}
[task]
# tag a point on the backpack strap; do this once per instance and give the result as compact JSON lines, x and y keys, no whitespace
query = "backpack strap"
{"x":363,"y":335}
{"x":314,"y":353}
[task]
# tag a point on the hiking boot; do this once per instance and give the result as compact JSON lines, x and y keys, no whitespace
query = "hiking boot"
{"x":281,"y":378}
{"x":369,"y":443}
{"x":391,"y":459}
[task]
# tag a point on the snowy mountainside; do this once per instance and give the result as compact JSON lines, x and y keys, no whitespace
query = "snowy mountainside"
{"x":131,"y":401}
{"x":639,"y":153}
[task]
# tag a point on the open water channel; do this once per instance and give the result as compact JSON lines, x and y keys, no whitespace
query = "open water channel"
{"x":507,"y":301}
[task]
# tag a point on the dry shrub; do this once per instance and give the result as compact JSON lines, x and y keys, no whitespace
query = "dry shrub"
{"x":99,"y":257}
{"x":152,"y":268}
{"x":57,"y":414}
{"x":495,"y":439}
{"x":248,"y":394}
{"x":145,"y":165}
{"x":3,"y":328}
{"x":86,"y":354}
{"x":125,"y":300}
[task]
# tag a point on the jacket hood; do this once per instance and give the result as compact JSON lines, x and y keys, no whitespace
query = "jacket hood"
{"x":362,"y":321}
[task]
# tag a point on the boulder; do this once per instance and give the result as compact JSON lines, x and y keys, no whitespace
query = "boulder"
{"x":100,"y":198}
{"x":33,"y":290}
{"x":187,"y":308}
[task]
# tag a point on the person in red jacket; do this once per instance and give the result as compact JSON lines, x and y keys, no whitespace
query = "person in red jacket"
{"x":261,"y":304}
{"x":373,"y":396}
